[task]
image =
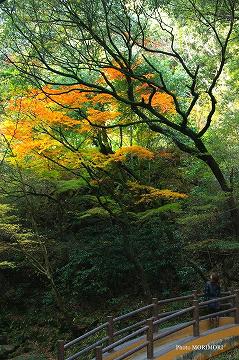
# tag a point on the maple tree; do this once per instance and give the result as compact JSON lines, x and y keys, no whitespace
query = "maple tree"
{"x":126,"y":62}
{"x":114,"y":116}
{"x":40,"y":126}
{"x":45,"y":133}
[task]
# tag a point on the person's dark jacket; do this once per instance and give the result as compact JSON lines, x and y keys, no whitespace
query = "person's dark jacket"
{"x":212,"y":290}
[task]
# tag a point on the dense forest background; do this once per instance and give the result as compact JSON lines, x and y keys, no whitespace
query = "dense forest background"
{"x":119,"y":159}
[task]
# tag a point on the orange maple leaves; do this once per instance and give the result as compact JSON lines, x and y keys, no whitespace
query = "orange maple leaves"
{"x":160,"y":100}
{"x":34,"y":118}
{"x":113,"y":73}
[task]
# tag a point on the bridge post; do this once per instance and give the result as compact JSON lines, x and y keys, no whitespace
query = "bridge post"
{"x":110,"y":330}
{"x":195,"y":294}
{"x":155,"y":312}
{"x":237,"y":307}
{"x":196,"y":330}
{"x":60,"y":349}
{"x":150,"y":339}
{"x":98,"y":353}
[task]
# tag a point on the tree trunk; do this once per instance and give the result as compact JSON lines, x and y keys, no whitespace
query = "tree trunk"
{"x":67,"y":318}
{"x":202,"y":153}
{"x":208,"y":159}
{"x":234,"y":211}
{"x":141,"y":273}
{"x":197,"y":269}
{"x":231,"y":202}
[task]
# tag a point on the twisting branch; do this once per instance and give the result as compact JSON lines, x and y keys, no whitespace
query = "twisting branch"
{"x":224,"y":47}
{"x":106,"y":35}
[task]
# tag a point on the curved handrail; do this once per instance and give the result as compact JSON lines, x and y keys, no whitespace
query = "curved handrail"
{"x":173,"y":316}
{"x":137,"y":311}
{"x":147,"y":326}
{"x":75,"y":341}
{"x":218,"y":299}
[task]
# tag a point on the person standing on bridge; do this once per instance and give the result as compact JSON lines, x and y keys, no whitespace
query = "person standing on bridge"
{"x":212,"y":291}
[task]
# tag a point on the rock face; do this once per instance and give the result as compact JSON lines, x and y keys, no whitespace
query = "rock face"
{"x":6,"y":350}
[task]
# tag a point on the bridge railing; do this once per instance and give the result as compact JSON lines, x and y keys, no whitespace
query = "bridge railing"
{"x":147,"y":327}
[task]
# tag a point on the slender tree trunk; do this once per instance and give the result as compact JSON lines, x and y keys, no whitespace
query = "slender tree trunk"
{"x":225,"y":184}
{"x":60,"y":303}
{"x":47,"y":266}
{"x":144,"y":280}
{"x":234,"y":211}
{"x":141,"y":274}
{"x":231,"y":202}
{"x":202,"y":153}
{"x":197,"y":269}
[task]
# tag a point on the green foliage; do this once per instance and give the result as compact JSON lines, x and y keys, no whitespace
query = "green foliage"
{"x":155,"y":213}
{"x":67,"y":185}
{"x":94,"y":214}
{"x":78,"y":232}
{"x":225,"y":245}
{"x":7,"y":264}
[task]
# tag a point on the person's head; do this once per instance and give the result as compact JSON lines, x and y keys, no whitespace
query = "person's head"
{"x":214,"y":277}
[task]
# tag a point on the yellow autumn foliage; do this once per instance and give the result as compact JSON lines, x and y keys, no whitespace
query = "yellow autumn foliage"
{"x":99,"y":117}
{"x":147,"y":194}
{"x":134,"y":150}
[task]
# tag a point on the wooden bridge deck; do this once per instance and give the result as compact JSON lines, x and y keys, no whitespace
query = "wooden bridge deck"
{"x":148,"y":338}
{"x":183,"y":342}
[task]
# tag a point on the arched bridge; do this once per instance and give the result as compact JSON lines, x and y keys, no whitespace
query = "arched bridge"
{"x":152,"y":332}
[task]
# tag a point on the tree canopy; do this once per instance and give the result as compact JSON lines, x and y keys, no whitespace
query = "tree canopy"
{"x":119,"y":142}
